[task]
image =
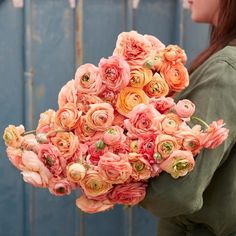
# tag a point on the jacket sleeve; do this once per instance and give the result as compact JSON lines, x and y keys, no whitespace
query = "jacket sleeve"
{"x":214,"y":93}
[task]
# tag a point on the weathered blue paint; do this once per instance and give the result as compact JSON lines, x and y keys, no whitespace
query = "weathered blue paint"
{"x":40,"y":47}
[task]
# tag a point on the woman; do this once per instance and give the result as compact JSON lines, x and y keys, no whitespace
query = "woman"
{"x":204,"y":201}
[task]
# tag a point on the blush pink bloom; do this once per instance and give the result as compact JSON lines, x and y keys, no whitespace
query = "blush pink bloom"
{"x":15,"y":157}
{"x":67,"y":94}
{"x":115,"y":73}
{"x":60,"y":187}
{"x":50,"y":156}
{"x":178,"y":164}
{"x":185,"y":108}
{"x":215,"y":134}
{"x":170,"y":123}
{"x":114,"y":168}
{"x":162,"y":104}
{"x":67,"y":143}
{"x":157,"y":45}
{"x":46,"y":121}
{"x":94,"y":185}
{"x":92,"y":206}
{"x":30,"y":143}
{"x":75,"y":172}
{"x":67,"y":117}
{"x":114,"y":135}
{"x":12,"y":135}
{"x":108,"y":96}
{"x":88,"y":80}
{"x":118,"y":119}
{"x":140,"y":120}
{"x":100,"y":116}
{"x":128,"y":194}
{"x":141,"y":167}
{"x":133,"y":47}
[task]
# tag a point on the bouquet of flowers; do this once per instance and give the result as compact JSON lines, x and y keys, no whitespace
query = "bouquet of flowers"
{"x":116,"y":127}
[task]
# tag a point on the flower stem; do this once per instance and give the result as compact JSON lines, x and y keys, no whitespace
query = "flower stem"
{"x":200,"y":121}
{"x":29,"y":132}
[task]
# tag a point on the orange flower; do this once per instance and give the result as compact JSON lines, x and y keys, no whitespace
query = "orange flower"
{"x":129,"y":98}
{"x":140,"y":76}
{"x":176,"y":76}
{"x":170,"y":124}
{"x":157,"y":87}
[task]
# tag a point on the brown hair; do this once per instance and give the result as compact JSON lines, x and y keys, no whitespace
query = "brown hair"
{"x":221,"y":35}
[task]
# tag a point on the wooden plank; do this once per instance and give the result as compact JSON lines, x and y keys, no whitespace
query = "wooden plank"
{"x":53,"y":64}
{"x":11,"y":100}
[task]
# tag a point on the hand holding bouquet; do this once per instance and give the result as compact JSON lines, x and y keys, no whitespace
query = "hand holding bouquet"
{"x":116,"y":127}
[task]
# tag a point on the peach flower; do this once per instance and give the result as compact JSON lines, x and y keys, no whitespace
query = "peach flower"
{"x":157,"y":45}
{"x":67,"y":143}
{"x":67,"y":94}
{"x":176,"y":76}
{"x":88,"y":80}
{"x":215,"y":134}
{"x":141,"y":167}
{"x":128,"y":194}
{"x":12,"y":135}
{"x":157,"y":87}
{"x":140,"y":120}
{"x":94,"y":185}
{"x":15,"y":157}
{"x":185,"y":108}
{"x":92,"y":206}
{"x":170,"y":123}
{"x":164,"y":146}
{"x":114,"y":168}
{"x":114,"y":135}
{"x":140,"y":76}
{"x":67,"y":117}
{"x":100,"y":116}
{"x":178,"y":164}
{"x":75,"y":172}
{"x":174,"y":53}
{"x":108,"y":96}
{"x":129,"y":98}
{"x":30,"y":143}
{"x":46,"y":122}
{"x":114,"y":72}
{"x":133,"y":47}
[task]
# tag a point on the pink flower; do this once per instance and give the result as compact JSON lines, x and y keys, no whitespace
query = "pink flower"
{"x":179,"y":163}
{"x":94,"y":185}
{"x":170,"y":123}
{"x":67,"y":143}
{"x":215,"y":134}
{"x":141,"y":167}
{"x":60,"y":187}
{"x":157,"y":45}
{"x":162,"y":104}
{"x":108,"y":96}
{"x":67,"y":117}
{"x":128,"y":194}
{"x":140,"y":120}
{"x":92,"y":206}
{"x":15,"y":157}
{"x":133,"y":47}
{"x":191,"y":138}
{"x":88,"y":80}
{"x":46,"y":121}
{"x":67,"y":94}
{"x":100,"y":116}
{"x":12,"y":135}
{"x":114,"y":168}
{"x":51,"y":158}
{"x":185,"y":108}
{"x":115,"y":73}
{"x":118,"y":119}
{"x":85,"y":133}
{"x":114,"y":135}
{"x":30,"y":143}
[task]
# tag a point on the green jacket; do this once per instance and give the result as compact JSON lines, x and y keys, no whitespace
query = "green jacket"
{"x":204,"y":201}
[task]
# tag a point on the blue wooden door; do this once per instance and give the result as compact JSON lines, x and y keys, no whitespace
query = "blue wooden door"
{"x":41,"y":45}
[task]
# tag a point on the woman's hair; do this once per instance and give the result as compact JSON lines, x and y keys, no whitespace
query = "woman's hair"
{"x":221,"y":35}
